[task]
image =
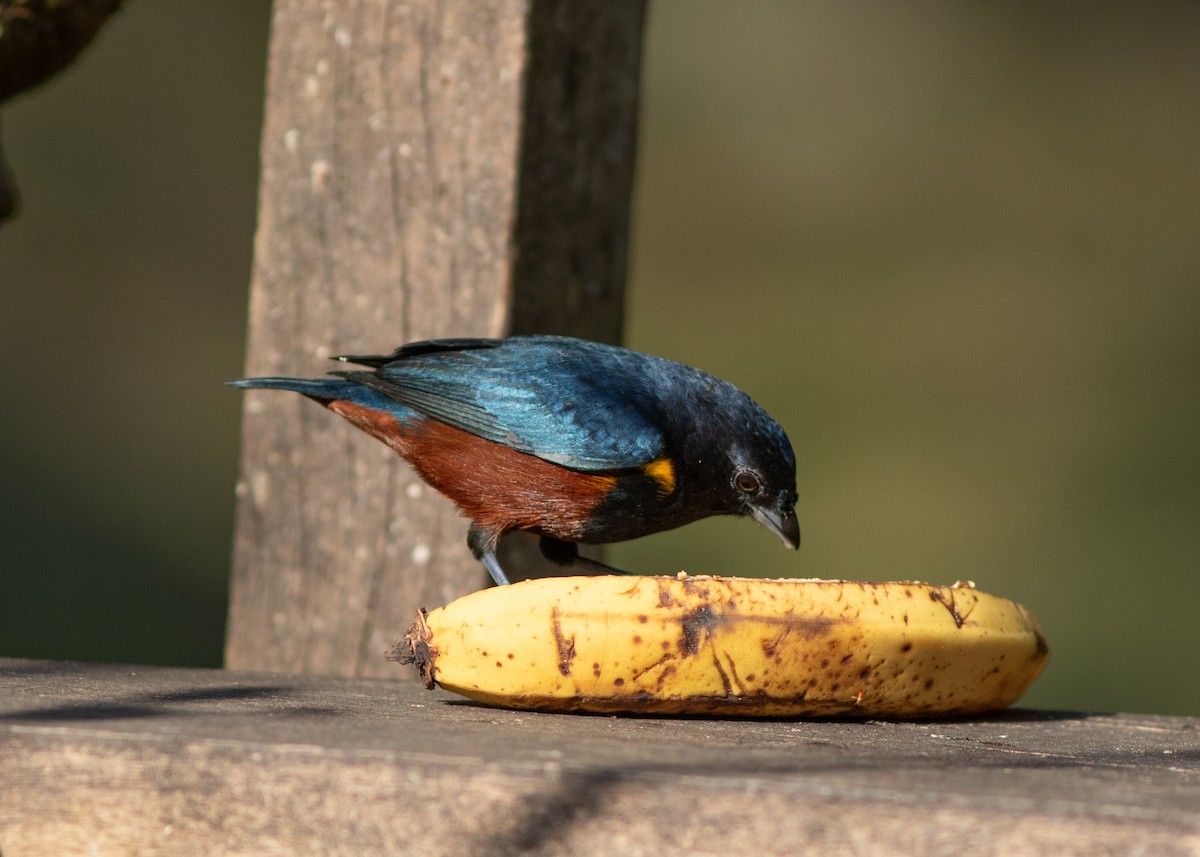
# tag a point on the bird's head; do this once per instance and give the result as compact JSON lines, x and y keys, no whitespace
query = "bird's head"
{"x":742,"y":458}
{"x":762,"y":480}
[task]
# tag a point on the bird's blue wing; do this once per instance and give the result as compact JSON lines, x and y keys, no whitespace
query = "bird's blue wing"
{"x":579,"y":404}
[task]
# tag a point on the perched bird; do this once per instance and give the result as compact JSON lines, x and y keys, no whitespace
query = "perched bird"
{"x":572,"y":440}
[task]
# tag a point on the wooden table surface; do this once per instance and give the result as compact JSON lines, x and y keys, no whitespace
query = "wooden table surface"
{"x":103,"y":759}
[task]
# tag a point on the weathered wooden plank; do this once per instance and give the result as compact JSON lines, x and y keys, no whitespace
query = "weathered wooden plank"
{"x":123,"y":760}
{"x":429,"y":169}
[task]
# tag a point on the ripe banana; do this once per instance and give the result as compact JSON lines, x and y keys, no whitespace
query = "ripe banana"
{"x":730,"y":646}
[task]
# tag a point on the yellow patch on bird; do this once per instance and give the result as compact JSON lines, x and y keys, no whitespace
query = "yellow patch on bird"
{"x":600,"y":483}
{"x":662,"y":471}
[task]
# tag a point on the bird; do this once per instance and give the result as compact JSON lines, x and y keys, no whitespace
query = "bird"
{"x":572,"y":440}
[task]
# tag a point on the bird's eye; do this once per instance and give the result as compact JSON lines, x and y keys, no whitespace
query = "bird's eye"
{"x":746,"y":482}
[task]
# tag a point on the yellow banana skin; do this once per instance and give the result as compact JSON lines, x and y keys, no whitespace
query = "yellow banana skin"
{"x":730,"y":647}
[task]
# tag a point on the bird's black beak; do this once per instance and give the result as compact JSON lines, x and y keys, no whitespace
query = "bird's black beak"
{"x":781,"y":521}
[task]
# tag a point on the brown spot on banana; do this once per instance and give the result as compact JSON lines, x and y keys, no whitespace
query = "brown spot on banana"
{"x":725,"y":682}
{"x":945,"y":597}
{"x":698,"y":627}
{"x":564,"y":644}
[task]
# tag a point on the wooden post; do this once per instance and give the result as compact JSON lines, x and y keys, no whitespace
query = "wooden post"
{"x":429,"y":168}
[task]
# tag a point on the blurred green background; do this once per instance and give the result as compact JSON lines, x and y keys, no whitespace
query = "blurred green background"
{"x":953,"y":248}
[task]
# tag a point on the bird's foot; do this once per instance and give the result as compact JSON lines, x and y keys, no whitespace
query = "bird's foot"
{"x":567,"y":553}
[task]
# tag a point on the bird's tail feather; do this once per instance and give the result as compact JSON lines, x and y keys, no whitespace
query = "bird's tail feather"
{"x":321,"y":389}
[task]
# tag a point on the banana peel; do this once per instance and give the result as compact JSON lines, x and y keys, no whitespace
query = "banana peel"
{"x":730,"y":647}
